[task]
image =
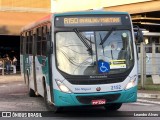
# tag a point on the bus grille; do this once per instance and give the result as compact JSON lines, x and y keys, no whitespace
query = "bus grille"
{"x":88,"y":99}
{"x":96,"y":81}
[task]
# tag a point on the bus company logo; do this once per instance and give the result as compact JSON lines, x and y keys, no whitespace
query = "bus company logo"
{"x":6,"y":114}
{"x":98,"y":88}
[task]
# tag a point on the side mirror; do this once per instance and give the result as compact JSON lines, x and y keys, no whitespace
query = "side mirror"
{"x":138,"y":34}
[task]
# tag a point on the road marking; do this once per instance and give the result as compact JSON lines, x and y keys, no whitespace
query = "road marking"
{"x":148,"y":101}
{"x":143,"y":104}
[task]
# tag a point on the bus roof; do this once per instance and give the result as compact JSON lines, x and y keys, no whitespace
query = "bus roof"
{"x":36,"y":23}
{"x":91,"y":12}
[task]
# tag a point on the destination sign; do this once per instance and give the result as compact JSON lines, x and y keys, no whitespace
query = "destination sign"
{"x":87,"y":21}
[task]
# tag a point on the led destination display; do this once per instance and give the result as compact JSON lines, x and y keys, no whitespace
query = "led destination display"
{"x":71,"y":21}
{"x":91,"y":20}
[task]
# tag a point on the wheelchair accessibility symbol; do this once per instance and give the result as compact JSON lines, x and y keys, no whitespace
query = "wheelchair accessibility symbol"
{"x":103,"y":67}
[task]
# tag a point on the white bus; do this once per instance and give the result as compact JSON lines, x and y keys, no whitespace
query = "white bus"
{"x":152,"y":49}
{"x":81,"y":58}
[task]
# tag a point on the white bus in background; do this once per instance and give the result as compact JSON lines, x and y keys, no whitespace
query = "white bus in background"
{"x":152,"y":48}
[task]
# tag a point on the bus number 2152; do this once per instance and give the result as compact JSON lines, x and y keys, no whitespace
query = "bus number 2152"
{"x":116,"y":87}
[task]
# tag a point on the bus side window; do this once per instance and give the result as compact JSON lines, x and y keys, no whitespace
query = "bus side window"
{"x":30,"y":43}
{"x":44,"y":40}
{"x":39,"y":35}
{"x":157,"y":49}
{"x":49,"y":46}
{"x":27,"y":43}
{"x":21,"y":43}
{"x":148,"y":49}
{"x":24,"y":43}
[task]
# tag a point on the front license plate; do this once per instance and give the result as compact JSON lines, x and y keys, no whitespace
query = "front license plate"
{"x":98,"y":102}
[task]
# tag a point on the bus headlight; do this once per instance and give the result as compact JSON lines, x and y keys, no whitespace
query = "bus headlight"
{"x":62,"y":87}
{"x":131,"y":84}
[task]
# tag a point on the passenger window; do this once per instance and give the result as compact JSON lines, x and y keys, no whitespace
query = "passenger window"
{"x":39,"y":35}
{"x":30,"y":43}
{"x":44,"y":40}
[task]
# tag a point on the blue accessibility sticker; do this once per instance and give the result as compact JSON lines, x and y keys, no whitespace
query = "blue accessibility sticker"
{"x":103,"y":67}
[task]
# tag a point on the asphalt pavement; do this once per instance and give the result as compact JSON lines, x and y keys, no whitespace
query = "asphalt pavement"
{"x":16,"y":98}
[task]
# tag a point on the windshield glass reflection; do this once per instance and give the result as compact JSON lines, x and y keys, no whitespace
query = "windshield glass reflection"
{"x":79,"y":53}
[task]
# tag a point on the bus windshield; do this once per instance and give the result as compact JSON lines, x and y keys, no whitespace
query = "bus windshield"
{"x":78,"y":53}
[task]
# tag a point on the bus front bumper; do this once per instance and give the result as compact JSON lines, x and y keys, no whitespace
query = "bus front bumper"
{"x":72,"y":99}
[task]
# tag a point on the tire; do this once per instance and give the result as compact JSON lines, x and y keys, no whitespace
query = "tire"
{"x":49,"y":105}
{"x":113,"y":107}
{"x":31,"y":93}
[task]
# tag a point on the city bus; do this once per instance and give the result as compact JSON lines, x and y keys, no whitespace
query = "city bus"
{"x":85,"y":58}
{"x":152,"y":50}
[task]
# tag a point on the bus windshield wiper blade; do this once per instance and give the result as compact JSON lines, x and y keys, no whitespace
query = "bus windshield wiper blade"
{"x":106,"y":37}
{"x":84,"y":40}
{"x":101,"y":41}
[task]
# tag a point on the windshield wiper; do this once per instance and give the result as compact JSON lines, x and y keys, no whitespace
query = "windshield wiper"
{"x":84,"y":40}
{"x":107,"y":35}
{"x":101,"y":42}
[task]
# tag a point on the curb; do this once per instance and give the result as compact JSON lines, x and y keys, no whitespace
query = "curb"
{"x":10,"y":78}
{"x":146,"y":95}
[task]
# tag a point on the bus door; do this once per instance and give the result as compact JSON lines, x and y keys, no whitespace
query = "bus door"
{"x":29,"y":60}
{"x":33,"y":68}
{"x":38,"y":61}
{"x":42,"y":61}
{"x":46,"y":61}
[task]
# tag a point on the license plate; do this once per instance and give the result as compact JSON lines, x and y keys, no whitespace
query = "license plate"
{"x":98,"y":102}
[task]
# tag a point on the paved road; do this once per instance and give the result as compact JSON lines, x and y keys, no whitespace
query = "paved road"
{"x":14,"y":97}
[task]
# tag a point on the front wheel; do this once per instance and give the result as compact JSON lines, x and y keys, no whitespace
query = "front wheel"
{"x":113,"y":106}
{"x":49,"y":105}
{"x":31,"y":93}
